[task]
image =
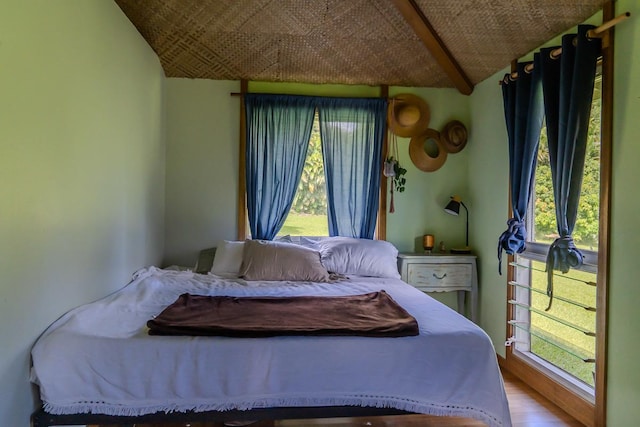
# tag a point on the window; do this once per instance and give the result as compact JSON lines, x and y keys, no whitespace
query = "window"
{"x":275,"y":134}
{"x":561,"y":340}
{"x":308,"y":214}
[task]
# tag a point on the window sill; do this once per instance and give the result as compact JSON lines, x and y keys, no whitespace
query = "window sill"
{"x":585,"y":391}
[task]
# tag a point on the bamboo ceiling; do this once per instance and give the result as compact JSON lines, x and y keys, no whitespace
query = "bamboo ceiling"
{"x":370,"y":42}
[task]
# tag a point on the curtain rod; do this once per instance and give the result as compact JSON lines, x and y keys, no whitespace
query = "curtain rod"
{"x":318,"y":96}
{"x":592,"y":34}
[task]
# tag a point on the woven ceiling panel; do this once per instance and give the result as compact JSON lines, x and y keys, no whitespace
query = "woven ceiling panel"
{"x":485,"y":35}
{"x":344,"y":41}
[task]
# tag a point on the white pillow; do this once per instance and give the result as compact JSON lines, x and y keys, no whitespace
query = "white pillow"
{"x":228,"y":258}
{"x":361,"y":257}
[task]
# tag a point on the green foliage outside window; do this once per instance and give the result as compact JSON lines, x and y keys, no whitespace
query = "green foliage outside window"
{"x":311,"y":196}
{"x":308,"y":213}
{"x":585,"y":234}
{"x":580,"y":344}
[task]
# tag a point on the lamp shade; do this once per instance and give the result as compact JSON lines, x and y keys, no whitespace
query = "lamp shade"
{"x":453,"y":207}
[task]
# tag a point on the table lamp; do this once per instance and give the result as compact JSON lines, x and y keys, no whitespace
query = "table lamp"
{"x":453,"y":208}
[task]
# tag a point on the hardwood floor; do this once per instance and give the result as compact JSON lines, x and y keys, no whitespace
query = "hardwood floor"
{"x":528,"y":409}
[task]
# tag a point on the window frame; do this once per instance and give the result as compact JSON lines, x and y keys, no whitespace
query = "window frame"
{"x":242,"y":220}
{"x":537,"y":252}
{"x":590,"y":413}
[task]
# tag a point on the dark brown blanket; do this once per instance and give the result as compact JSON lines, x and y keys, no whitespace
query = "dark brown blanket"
{"x":374,"y":314}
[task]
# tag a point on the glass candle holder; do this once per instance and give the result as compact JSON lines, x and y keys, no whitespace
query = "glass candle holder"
{"x":428,"y":243}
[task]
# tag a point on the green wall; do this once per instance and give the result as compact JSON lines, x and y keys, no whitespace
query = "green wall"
{"x":624,"y":290}
{"x":81,"y":170}
{"x":488,"y":183}
{"x":202,"y":166}
{"x":202,"y":157}
{"x":420,"y":209}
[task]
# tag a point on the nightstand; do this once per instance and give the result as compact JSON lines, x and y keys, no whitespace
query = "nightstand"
{"x":443,"y":273}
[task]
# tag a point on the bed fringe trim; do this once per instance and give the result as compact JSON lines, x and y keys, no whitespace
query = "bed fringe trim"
{"x":368,"y":401}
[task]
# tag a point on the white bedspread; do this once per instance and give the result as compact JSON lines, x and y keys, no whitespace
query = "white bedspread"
{"x":99,"y":358}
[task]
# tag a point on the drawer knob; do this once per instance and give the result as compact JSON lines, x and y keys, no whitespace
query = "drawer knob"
{"x":440,"y":277}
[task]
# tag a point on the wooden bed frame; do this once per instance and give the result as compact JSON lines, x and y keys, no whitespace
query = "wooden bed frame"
{"x":40,"y":418}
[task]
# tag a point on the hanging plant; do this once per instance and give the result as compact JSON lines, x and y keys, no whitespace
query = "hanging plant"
{"x":396,"y":173}
{"x":393,"y":170}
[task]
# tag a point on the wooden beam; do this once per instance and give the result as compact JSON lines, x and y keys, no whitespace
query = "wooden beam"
{"x":606,"y":167}
{"x":381,"y":227}
{"x":423,"y":29}
{"x":242,"y":179}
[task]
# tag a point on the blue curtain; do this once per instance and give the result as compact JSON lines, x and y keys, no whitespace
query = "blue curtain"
{"x":278,"y":130}
{"x":523,"y":113}
{"x":568,"y":89}
{"x":352,"y":132}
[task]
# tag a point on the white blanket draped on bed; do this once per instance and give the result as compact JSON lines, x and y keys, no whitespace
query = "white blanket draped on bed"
{"x":99,"y":358}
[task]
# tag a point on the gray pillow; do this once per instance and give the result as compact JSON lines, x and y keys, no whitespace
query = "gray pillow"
{"x":205,"y":260}
{"x":269,"y":260}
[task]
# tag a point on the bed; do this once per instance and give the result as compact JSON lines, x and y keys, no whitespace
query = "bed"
{"x":98,"y":363}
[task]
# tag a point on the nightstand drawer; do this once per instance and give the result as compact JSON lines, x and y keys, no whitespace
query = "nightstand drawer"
{"x":434,"y":276}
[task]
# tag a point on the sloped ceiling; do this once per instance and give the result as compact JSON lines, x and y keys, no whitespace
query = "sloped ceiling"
{"x":346,"y":41}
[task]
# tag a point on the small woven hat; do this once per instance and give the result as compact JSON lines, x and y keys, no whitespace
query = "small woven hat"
{"x":427,"y":151}
{"x":408,"y":115}
{"x":454,"y":136}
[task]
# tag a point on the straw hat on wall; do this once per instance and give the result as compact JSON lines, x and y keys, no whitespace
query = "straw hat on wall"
{"x":427,"y":151}
{"x":408,"y":115}
{"x":454,"y":136}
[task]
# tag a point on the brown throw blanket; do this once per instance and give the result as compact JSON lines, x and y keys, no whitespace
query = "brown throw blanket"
{"x":373,"y":314}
